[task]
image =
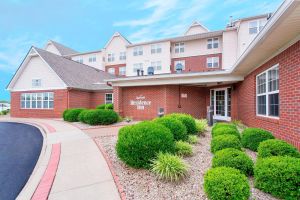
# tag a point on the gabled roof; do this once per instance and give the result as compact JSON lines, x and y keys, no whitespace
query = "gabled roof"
{"x":117,"y":34}
{"x":196,"y":24}
{"x":63,"y":50}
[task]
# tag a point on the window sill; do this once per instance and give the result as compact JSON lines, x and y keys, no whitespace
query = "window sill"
{"x":268,"y":119}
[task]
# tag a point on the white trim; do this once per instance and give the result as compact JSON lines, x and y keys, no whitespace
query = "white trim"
{"x":116,"y":34}
{"x":37,"y":89}
{"x":218,"y":117}
{"x":112,"y":98}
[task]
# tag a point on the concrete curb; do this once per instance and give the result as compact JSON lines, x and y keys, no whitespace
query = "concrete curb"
{"x":112,"y":171}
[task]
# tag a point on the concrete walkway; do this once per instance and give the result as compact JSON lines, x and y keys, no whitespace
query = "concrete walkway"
{"x":82,"y":172}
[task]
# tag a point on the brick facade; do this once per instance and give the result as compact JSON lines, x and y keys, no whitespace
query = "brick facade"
{"x":116,"y":67}
{"x":63,"y":99}
{"x":197,"y":63}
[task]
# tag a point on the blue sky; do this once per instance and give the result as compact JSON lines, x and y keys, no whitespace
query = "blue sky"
{"x":86,"y":25}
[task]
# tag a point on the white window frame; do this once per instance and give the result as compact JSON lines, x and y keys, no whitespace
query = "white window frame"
{"x":92,"y":59}
{"x":219,"y":117}
{"x":122,"y":55}
{"x":181,"y":62}
{"x":213,"y":43}
{"x":122,"y":74}
{"x":138,"y":51}
{"x":267,"y":93}
{"x":37,"y":82}
{"x":110,"y":57}
{"x":179,"y":47}
{"x":30,"y":100}
{"x":111,"y":70}
{"x":212,"y":60}
{"x":156,"y":48}
{"x":112,"y":98}
{"x":260,"y":23}
{"x":79,"y":60}
{"x":137,"y":66}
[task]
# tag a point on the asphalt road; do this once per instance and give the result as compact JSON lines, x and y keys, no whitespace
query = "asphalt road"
{"x":20,"y":147}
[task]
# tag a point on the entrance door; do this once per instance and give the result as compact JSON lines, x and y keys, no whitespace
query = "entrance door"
{"x":221,"y":100}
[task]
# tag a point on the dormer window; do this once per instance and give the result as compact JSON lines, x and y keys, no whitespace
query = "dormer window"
{"x":213,"y":43}
{"x":138,"y":51}
{"x":36,"y":82}
{"x":256,"y":26}
{"x":179,"y":47}
{"x":110,"y":57}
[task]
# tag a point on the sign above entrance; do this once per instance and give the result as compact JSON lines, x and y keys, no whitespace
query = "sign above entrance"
{"x":140,"y":102}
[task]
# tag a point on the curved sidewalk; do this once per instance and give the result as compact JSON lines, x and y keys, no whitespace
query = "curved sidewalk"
{"x":82,"y":171}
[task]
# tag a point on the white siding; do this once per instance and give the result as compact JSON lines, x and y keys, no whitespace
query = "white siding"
{"x":36,"y":68}
{"x":51,"y":48}
{"x":99,"y":64}
{"x":229,"y":55}
{"x":195,"y":30}
{"x":116,"y":45}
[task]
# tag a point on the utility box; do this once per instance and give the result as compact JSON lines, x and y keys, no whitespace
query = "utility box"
{"x":161,"y":112}
{"x":210,"y":115}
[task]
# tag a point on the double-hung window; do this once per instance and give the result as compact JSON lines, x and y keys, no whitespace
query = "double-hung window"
{"x":256,"y":26}
{"x":110,"y":57}
{"x":42,"y":100}
{"x":267,"y":92}
{"x":155,"y":48}
{"x":122,"y":71}
{"x":111,"y":70}
{"x":156,"y":65}
{"x":213,"y":43}
{"x":138,"y":51}
{"x":108,"y":98}
{"x":92,"y":59}
{"x":36,"y":82}
{"x":122,"y":55}
{"x":212,"y":62}
{"x":179,"y":47}
{"x":137,"y":66}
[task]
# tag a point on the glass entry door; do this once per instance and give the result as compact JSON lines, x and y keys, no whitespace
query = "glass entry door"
{"x":221,"y":102}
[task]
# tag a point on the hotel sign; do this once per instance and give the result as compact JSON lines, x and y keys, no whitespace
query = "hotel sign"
{"x":140,"y":102}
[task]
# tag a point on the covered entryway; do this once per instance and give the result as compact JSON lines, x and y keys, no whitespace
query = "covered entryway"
{"x":220,"y":99}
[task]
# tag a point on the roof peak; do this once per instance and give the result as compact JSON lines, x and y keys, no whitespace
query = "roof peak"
{"x":62,"y":49}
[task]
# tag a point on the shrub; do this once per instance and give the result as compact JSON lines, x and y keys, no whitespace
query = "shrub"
{"x":183,"y":148}
{"x":169,"y":167}
{"x":251,"y":137}
{"x":279,"y":176}
{"x":187,"y":120}
{"x":102,"y":106}
{"x":5,"y":112}
{"x":192,"y":139}
{"x":221,"y":125}
{"x":226,"y":131}
{"x":108,"y":106}
{"x":274,"y":147}
{"x":175,"y":126}
{"x":71,"y":115}
{"x":233,"y":158}
{"x":201,"y":125}
{"x":226,"y":183}
{"x":138,"y":144}
{"x":81,"y":116}
{"x":225,"y":141}
{"x":100,"y":117}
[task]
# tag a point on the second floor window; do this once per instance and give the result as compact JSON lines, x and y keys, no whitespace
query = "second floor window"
{"x":137,"y":66}
{"x":256,"y":26}
{"x":111,"y":57}
{"x":179,"y":47}
{"x":92,"y":59}
{"x":111,"y":70}
{"x":212,"y":62}
{"x":156,"y":65}
{"x":138,"y":51}
{"x":155,"y":48}
{"x":122,"y":56}
{"x":36,"y":82}
{"x":213,"y":43}
{"x":122,"y":71}
{"x":179,"y":65}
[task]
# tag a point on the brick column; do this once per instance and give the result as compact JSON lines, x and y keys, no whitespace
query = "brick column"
{"x":118,"y":100}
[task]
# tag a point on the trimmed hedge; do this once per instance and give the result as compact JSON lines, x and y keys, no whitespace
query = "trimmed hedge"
{"x":225,"y":141}
{"x":252,"y":137}
{"x":226,"y":183}
{"x":187,"y":120}
{"x":175,"y":126}
{"x":71,"y":115}
{"x":275,"y":147}
{"x":279,"y":176}
{"x":233,"y":158}
{"x":138,"y":144}
{"x":82,"y":115}
{"x":108,"y":106}
{"x":100,"y":117}
{"x":226,"y":130}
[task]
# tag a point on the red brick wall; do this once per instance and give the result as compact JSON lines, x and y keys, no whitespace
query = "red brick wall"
{"x":116,"y":67}
{"x":79,"y":99}
{"x":98,"y":98}
{"x":60,"y":104}
{"x":287,"y":127}
{"x":197,"y":63}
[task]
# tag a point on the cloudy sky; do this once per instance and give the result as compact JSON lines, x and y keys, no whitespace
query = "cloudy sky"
{"x":86,"y":25}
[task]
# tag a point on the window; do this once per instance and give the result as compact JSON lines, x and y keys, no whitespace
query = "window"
{"x":179,"y":47}
{"x":179,"y":64}
{"x":111,"y":70}
{"x":110,"y":57}
{"x":122,"y":56}
{"x":122,"y":71}
{"x":212,"y":62}
{"x":155,"y":48}
{"x":267,"y":92}
{"x":156,"y":65}
{"x":213,"y":43}
{"x":108,"y":98}
{"x":256,"y":26}
{"x":80,"y":60}
{"x":43,"y":100}
{"x":36,"y":82}
{"x":137,"y":66}
{"x":138,"y":51}
{"x":92,"y":59}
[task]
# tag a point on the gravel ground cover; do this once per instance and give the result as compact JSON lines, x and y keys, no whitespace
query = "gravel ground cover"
{"x":140,"y":184}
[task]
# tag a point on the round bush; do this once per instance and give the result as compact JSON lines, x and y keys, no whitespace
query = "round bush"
{"x":183,"y":148}
{"x":169,"y":167}
{"x":222,"y":124}
{"x":100,"y":117}
{"x":109,"y":106}
{"x":102,"y":106}
{"x":274,"y":147}
{"x":225,"y":141}
{"x":138,"y":144}
{"x":279,"y":176}
{"x":175,"y":126}
{"x":226,"y":131}
{"x":251,"y":137}
{"x":233,"y":158}
{"x":71,"y":115}
{"x":187,"y":120}
{"x":82,"y":115}
{"x":226,"y":183}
